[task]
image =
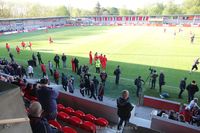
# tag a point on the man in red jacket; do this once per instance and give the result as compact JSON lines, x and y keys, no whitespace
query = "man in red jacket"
{"x":50,"y":40}
{"x":8,"y":47}
{"x":56,"y":76}
{"x":104,"y":62}
{"x":23,"y":44}
{"x":90,"y":56}
{"x":30,"y":45}
{"x":43,"y":68}
{"x":18,"y":50}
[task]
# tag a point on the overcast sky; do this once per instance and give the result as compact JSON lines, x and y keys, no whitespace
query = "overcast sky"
{"x":89,"y":4}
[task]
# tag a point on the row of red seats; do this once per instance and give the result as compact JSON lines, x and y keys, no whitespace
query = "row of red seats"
{"x":78,"y":118}
{"x":65,"y":129}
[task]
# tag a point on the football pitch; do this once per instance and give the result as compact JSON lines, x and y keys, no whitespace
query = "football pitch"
{"x":135,"y":49}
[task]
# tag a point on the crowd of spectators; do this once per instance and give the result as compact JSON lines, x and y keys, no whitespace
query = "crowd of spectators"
{"x":189,"y":114}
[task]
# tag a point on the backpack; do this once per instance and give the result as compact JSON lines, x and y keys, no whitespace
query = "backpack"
{"x":135,"y":82}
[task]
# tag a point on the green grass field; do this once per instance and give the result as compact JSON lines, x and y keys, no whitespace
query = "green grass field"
{"x":135,"y":49}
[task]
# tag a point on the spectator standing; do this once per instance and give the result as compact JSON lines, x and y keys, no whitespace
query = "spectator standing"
{"x":11,"y":57}
{"x":101,"y":92}
{"x":34,"y":59}
{"x":192,"y":88}
{"x":161,"y":81}
{"x":138,"y":83}
{"x":50,"y":65}
{"x":103,"y":76}
{"x":47,"y":96}
{"x":124,"y":108}
{"x":154,"y":78}
{"x":182,"y":87}
{"x":117,"y":73}
{"x":39,"y":58}
{"x":64,"y":59}
{"x":64,"y":81}
{"x":92,"y":90}
{"x":30,"y":71}
{"x":82,"y":87}
{"x":76,"y":62}
{"x":56,"y":76}
{"x":96,"y":83}
{"x":73,"y":65}
{"x":43,"y":68}
{"x":57,"y":61}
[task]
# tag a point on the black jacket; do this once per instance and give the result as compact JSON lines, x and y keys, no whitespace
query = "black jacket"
{"x":64,"y":58}
{"x":124,"y":108}
{"x":192,"y":88}
{"x":40,"y":125}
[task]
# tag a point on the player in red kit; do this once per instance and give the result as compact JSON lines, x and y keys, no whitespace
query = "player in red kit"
{"x":50,"y":40}
{"x":23,"y":44}
{"x":18,"y":50}
{"x":104,"y":62}
{"x":8,"y":47}
{"x":90,"y":56}
{"x":30,"y":45}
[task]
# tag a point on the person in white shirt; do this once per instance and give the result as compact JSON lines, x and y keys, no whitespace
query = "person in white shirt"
{"x":192,"y":104}
{"x":30,"y":71}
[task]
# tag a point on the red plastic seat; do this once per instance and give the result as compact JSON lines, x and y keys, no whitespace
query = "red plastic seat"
{"x":60,"y":107}
{"x":75,"y":121}
{"x":67,"y":129}
{"x":63,"y":116}
{"x":78,"y":113}
{"x":89,"y":126}
{"x":68,"y":110}
{"x":101,"y":122}
{"x":89,"y":117}
{"x":55,"y":124}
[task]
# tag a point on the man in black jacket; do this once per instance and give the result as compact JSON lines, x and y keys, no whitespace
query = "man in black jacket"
{"x":76,"y":61}
{"x":161,"y":81}
{"x":154,"y":78}
{"x":182,"y":87}
{"x":124,"y":108}
{"x":38,"y":123}
{"x":64,"y":59}
{"x":117,"y":73}
{"x":192,"y":88}
{"x":92,"y":90}
{"x":57,"y":61}
{"x":39,"y":58}
{"x":11,"y":57}
{"x":138,"y":82}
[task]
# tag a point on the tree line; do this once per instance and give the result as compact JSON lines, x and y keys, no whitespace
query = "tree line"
{"x":25,"y":10}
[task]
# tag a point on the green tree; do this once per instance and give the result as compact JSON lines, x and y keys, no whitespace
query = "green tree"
{"x":97,"y":9}
{"x":191,"y":6}
{"x":172,"y":8}
{"x":76,"y":12}
{"x":142,"y":11}
{"x":156,"y":9}
{"x":61,"y":11}
{"x":113,"y":11}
